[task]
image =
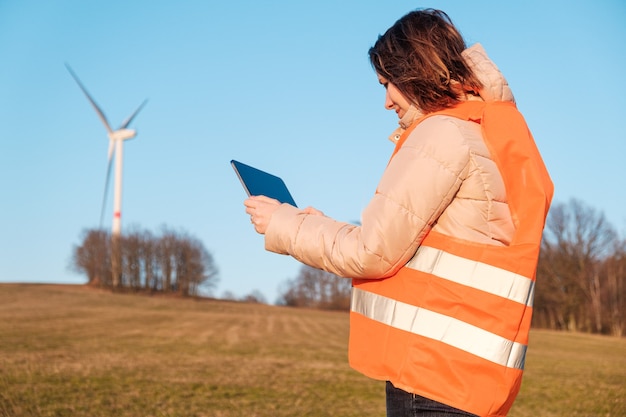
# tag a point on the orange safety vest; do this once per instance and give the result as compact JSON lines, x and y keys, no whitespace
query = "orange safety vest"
{"x":452,"y":324}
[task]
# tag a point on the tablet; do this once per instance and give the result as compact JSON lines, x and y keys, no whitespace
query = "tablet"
{"x":257,"y":182}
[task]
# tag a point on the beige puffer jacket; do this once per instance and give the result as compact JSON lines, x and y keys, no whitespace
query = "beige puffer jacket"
{"x":442,"y":178}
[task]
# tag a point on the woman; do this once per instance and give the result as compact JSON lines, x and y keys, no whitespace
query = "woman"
{"x":443,"y":262}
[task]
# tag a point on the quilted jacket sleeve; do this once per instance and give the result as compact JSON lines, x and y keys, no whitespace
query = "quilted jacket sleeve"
{"x":418,"y":184}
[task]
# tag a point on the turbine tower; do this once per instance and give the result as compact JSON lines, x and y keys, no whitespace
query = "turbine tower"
{"x":116,"y":149}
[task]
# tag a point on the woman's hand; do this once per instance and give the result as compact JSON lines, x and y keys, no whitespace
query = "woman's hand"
{"x":260,"y":208}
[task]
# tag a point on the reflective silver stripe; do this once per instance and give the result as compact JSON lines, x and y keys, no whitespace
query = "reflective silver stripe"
{"x":474,"y":274}
{"x":432,"y":325}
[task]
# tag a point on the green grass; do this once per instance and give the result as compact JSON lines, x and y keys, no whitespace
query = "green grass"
{"x":573,"y":375}
{"x":76,"y":351}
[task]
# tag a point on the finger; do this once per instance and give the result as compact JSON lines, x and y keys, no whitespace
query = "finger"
{"x":314,"y":211}
{"x":265,"y":199}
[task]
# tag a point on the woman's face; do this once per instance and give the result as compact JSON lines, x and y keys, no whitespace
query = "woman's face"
{"x":394,"y":99}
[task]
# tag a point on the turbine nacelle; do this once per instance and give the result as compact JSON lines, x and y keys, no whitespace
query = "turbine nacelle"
{"x":122,"y":134}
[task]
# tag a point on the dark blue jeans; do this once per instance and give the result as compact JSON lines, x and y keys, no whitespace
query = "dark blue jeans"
{"x":403,"y":404}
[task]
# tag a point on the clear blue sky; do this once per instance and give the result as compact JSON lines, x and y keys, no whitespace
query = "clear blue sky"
{"x":283,"y":85}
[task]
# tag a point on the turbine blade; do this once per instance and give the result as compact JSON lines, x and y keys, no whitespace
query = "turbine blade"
{"x":106,"y":182}
{"x":132,"y":116}
{"x":91,"y":100}
{"x":111,"y":148}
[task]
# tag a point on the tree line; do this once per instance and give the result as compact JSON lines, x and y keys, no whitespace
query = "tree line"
{"x":314,"y":288}
{"x":170,"y":262}
{"x":581,"y":276}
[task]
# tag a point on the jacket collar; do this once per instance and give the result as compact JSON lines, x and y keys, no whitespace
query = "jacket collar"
{"x":412,"y":114}
{"x":495,"y":87}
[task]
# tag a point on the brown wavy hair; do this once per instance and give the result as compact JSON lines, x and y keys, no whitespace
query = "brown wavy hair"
{"x":421,"y":55}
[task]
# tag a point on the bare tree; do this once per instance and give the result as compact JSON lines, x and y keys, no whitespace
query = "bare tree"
{"x":576,"y":241}
{"x":616,"y":290}
{"x":317,"y":289}
{"x":255,"y":296}
{"x":92,"y":257}
{"x":131,"y":251}
{"x":166,"y":258}
{"x":173,"y":262}
{"x":149,"y":260}
{"x":194,"y":266}
{"x":228,"y":295}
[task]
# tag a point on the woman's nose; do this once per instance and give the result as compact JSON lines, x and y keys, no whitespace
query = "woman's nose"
{"x":388,"y":102}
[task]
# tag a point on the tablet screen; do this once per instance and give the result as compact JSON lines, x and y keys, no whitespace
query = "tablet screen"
{"x":258,"y":182}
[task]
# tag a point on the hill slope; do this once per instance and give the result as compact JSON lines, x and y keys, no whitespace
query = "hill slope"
{"x":76,"y":351}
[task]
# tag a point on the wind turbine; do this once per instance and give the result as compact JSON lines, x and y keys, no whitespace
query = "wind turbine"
{"x":116,"y":149}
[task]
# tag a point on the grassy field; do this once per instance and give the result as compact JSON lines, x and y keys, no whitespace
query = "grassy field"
{"x":77,"y":351}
